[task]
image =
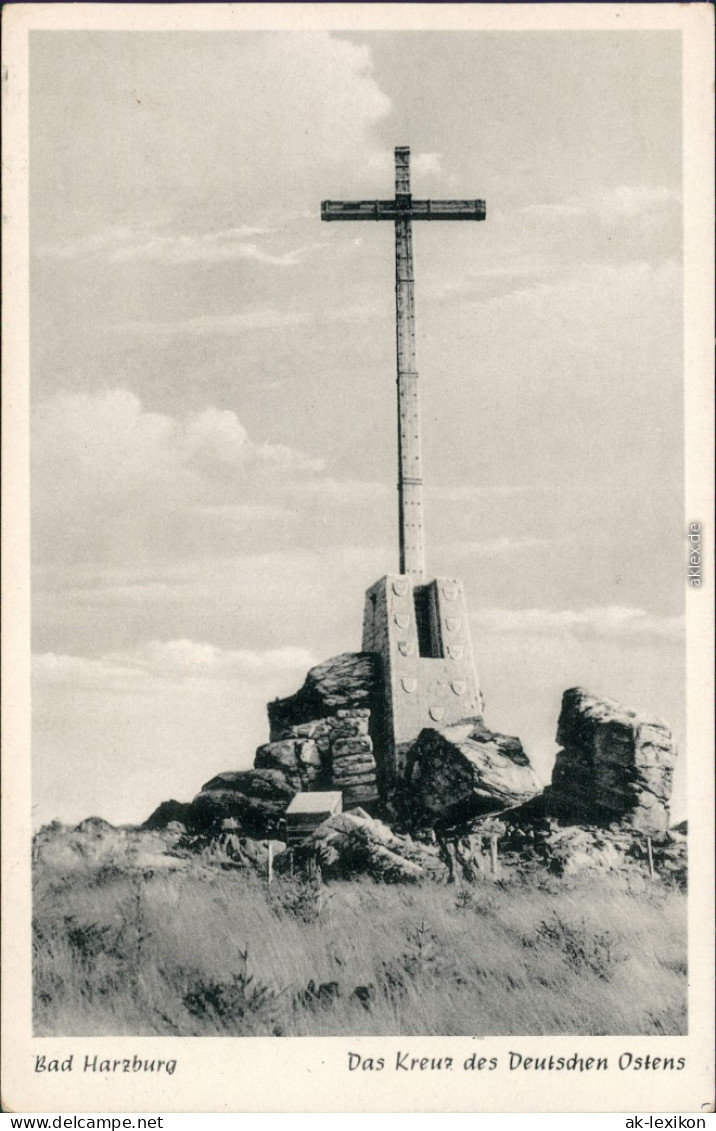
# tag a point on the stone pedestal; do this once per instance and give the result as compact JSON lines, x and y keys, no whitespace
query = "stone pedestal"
{"x":422,"y":636}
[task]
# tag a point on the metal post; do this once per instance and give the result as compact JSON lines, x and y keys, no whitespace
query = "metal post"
{"x":650,"y":856}
{"x":269,"y":863}
{"x":410,"y":483}
{"x":493,"y":854}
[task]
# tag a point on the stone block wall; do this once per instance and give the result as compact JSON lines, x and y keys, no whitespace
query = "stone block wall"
{"x":352,"y":766}
{"x":334,"y":752}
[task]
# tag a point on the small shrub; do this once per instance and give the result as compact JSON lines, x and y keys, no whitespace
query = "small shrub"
{"x":240,"y":1005}
{"x":394,"y":982}
{"x":107,"y":874}
{"x":465,"y":900}
{"x":304,"y":899}
{"x":666,"y":1021}
{"x":364,"y":996}
{"x":479,"y":901}
{"x":583,"y":949}
{"x":421,"y":956}
{"x":87,"y":939}
{"x":317,"y":997}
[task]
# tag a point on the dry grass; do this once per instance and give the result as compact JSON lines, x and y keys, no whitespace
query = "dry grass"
{"x":126,"y":945}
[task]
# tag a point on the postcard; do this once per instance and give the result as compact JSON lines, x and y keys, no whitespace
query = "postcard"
{"x":357,"y":560}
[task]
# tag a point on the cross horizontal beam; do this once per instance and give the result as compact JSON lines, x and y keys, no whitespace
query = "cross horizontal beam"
{"x":403,"y":209}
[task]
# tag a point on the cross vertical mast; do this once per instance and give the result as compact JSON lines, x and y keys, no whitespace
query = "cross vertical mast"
{"x":410,"y":483}
{"x":402,"y":211}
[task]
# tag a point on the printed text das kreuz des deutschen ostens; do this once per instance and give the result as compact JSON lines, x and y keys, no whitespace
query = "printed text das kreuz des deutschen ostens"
{"x":399,"y":1062}
{"x":515,"y":1061}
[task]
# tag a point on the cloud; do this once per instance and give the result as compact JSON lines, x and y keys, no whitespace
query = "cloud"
{"x":628,"y":202}
{"x":493,"y":546}
{"x":593,"y":294}
{"x":109,"y":434}
{"x":229,"y":513}
{"x":101,"y":242}
{"x":343,"y":490}
{"x":260,"y":130}
{"x":212,"y":247}
{"x":117,"y":733}
{"x":547,"y":244}
{"x":465,"y":493}
{"x":381,"y":165}
{"x":557,"y":208}
{"x":618,"y":224}
{"x":266,"y":318}
{"x":167,"y":665}
{"x":125,"y":245}
{"x":111,"y":479}
{"x":228,"y":592}
{"x":424,"y":163}
{"x":208,"y":325}
{"x":614,"y":205}
{"x":550,"y":244}
{"x":610,"y":621}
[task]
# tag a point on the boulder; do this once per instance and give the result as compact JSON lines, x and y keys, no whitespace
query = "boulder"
{"x":354,"y":843}
{"x":258,"y":798}
{"x":463,"y":770}
{"x":167,"y":813}
{"x":574,"y":849}
{"x":615,"y":764}
{"x":298,"y":758}
{"x":345,"y":682}
{"x":230,"y":849}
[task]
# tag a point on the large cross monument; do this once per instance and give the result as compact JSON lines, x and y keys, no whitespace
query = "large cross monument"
{"x":419,"y":628}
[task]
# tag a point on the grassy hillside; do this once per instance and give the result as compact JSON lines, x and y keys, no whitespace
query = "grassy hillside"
{"x":134,"y":935}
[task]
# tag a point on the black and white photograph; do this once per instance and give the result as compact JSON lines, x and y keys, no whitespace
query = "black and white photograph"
{"x":366,"y":561}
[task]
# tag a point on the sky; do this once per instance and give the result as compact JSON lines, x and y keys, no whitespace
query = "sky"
{"x":213,"y":400}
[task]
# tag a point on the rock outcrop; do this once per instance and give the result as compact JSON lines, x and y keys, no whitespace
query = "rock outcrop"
{"x":320,"y":740}
{"x":167,"y":813}
{"x":529,"y":840}
{"x":331,"y":753}
{"x":96,"y":826}
{"x":614,"y":765}
{"x":355,"y":843}
{"x":347,"y":681}
{"x":468,"y":794}
{"x":457,"y":772}
{"x":231,"y":849}
{"x":321,"y":736}
{"x":297,"y":757}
